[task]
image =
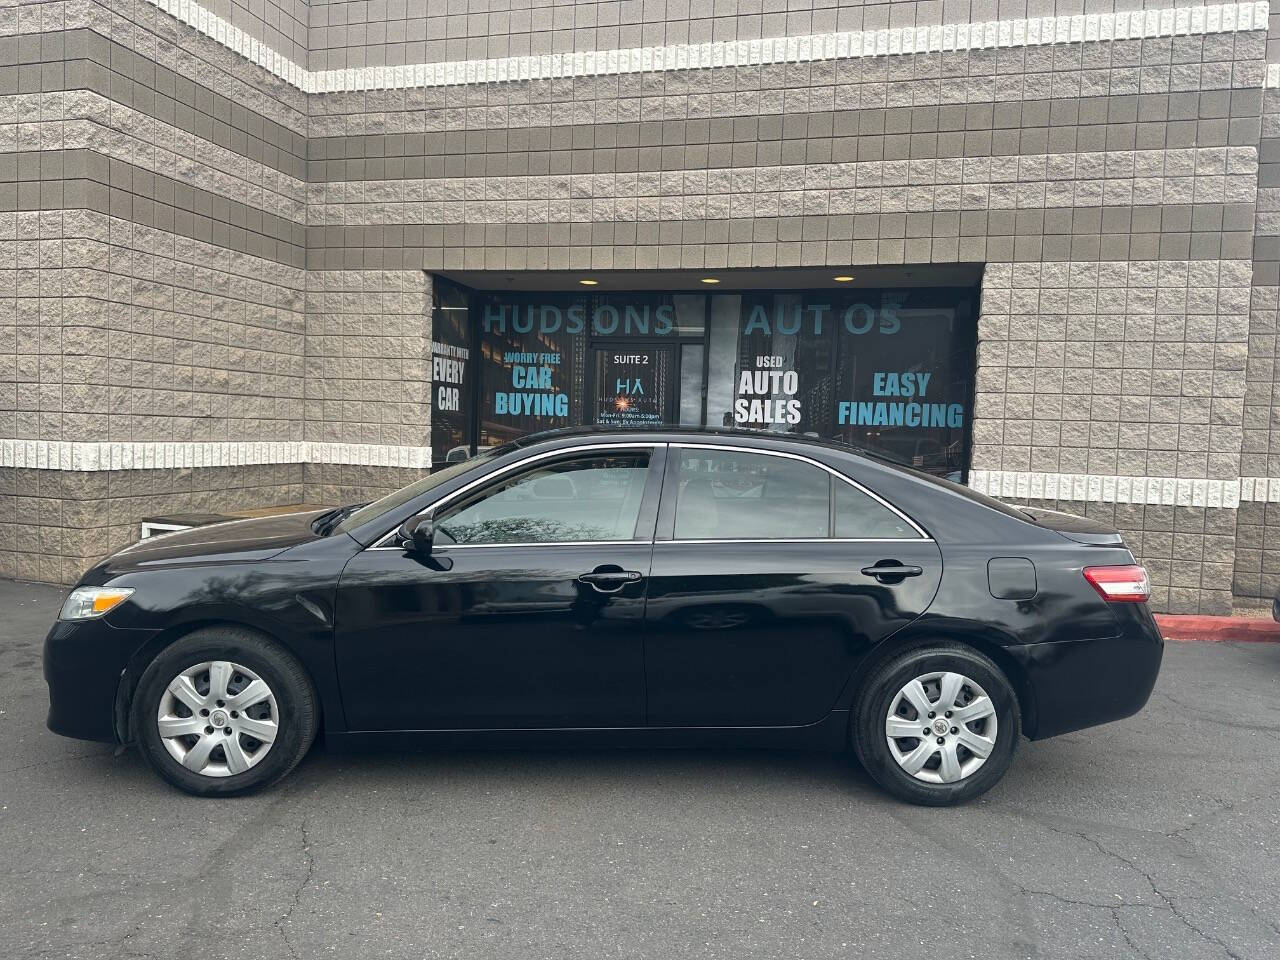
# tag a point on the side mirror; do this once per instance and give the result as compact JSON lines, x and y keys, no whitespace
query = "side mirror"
{"x":416,"y":535}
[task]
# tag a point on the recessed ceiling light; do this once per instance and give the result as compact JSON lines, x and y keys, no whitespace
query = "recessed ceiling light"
{"x":710,"y":280}
{"x":588,"y":283}
{"x":843,"y":278}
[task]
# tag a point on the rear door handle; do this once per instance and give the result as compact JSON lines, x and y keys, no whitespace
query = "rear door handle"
{"x":609,"y":581}
{"x":890,"y":571}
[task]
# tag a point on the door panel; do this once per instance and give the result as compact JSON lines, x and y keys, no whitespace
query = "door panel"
{"x":756,"y":614}
{"x":492,"y":637}
{"x":767,"y":633}
{"x":529,"y":612}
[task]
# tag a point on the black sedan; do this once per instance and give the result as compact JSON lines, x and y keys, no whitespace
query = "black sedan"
{"x":658,"y":588}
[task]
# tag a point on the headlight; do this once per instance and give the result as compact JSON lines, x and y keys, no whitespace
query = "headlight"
{"x":84,"y":603}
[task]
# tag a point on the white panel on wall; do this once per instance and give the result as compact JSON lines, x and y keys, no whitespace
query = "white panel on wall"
{"x":1076,"y":28}
{"x":153,"y":455}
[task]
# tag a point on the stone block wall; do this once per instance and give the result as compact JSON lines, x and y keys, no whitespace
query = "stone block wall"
{"x":351,"y":483}
{"x":212,"y":272}
{"x":1122,"y":369}
{"x":55,"y":524}
{"x":1257,"y":557}
{"x":361,"y":33}
{"x":281,"y":25}
{"x":151,"y":281}
{"x":1109,"y":188}
{"x":368,"y":361}
{"x":368,"y":377}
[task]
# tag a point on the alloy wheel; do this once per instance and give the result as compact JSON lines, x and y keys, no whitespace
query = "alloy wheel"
{"x":218,"y":718}
{"x":941,"y":727}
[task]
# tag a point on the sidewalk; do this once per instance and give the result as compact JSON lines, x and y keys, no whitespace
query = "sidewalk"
{"x":1252,"y":624}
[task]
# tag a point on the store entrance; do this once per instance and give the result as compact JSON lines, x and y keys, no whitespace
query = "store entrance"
{"x":631,"y":384}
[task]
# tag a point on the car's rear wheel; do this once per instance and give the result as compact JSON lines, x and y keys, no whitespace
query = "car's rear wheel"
{"x":937,"y":725}
{"x":223,"y":711}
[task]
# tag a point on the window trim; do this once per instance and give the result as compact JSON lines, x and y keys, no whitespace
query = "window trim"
{"x":447,"y":547}
{"x":666,"y":534}
{"x":381,"y":542}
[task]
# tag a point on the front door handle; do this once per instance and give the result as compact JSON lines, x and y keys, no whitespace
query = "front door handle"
{"x":609,"y":581}
{"x":891,"y":571}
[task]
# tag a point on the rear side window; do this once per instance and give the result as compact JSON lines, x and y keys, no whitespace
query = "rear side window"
{"x":733,"y":495}
{"x":861,"y":516}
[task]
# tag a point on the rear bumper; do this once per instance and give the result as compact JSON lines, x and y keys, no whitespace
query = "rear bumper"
{"x":83,"y":665}
{"x":1075,"y":684}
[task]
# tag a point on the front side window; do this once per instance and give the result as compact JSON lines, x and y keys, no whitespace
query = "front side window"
{"x":580,"y":499}
{"x":734,"y":495}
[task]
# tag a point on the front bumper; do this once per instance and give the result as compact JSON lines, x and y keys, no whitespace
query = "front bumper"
{"x":84,"y":661}
{"x":1075,"y":684}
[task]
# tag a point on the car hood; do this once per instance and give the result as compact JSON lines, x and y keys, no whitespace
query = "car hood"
{"x":236,"y":541}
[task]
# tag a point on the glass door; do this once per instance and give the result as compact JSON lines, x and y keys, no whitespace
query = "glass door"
{"x":632,"y":385}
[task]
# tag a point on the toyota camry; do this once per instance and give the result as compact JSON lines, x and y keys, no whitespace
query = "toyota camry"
{"x":642,"y":588}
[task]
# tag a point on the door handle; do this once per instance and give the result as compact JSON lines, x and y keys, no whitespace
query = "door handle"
{"x":609,"y":581}
{"x":891,"y":571}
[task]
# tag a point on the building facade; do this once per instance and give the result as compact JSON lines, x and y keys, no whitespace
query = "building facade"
{"x":259,"y":252}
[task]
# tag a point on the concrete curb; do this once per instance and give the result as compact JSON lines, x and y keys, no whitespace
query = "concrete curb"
{"x":1193,"y":629}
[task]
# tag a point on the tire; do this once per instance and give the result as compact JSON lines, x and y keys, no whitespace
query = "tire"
{"x":214,"y":767}
{"x":966,"y":774}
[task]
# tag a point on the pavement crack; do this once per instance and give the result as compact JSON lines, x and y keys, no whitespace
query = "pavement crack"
{"x":1165,"y":899}
{"x":1133,"y":944}
{"x":120,"y":945}
{"x":1266,"y":731}
{"x":308,"y":873}
{"x":1073,"y":902}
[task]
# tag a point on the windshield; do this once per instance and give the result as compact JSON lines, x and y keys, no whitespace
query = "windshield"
{"x":405,"y":494}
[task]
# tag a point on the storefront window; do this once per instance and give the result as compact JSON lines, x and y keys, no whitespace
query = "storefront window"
{"x":633,"y":385}
{"x":888,"y":369}
{"x":557,"y":360}
{"x":533,"y":364}
{"x":904,"y":381}
{"x":771,"y":362}
{"x":691,"y":374}
{"x":452,"y":375}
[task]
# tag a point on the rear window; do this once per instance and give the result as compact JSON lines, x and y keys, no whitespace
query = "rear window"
{"x":967,"y":492}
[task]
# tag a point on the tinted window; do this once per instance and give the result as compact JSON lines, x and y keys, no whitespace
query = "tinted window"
{"x":582,"y":499}
{"x":861,"y":516}
{"x":750,"y":496}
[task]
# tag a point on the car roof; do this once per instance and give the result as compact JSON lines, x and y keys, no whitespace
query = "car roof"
{"x":676,"y":433}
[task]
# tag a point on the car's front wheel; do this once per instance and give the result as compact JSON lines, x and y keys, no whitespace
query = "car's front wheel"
{"x":223,"y":711}
{"x":937,"y":724}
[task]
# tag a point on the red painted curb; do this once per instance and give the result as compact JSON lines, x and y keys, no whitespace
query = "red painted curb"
{"x":1217,"y":629}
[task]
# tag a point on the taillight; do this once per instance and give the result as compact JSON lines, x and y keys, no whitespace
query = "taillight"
{"x":1126,"y":584}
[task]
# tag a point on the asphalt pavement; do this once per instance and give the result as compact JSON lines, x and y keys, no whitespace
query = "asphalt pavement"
{"x":1155,"y":837}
